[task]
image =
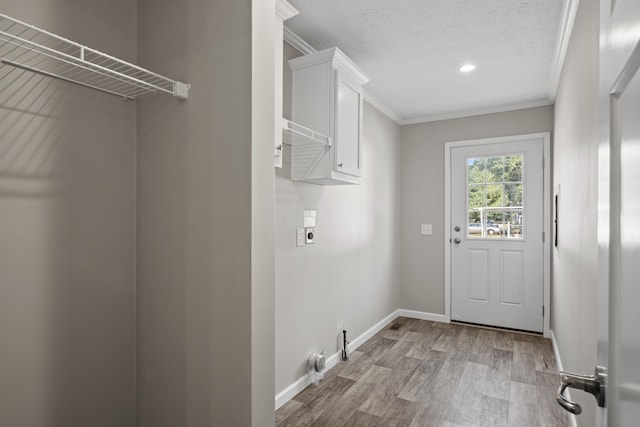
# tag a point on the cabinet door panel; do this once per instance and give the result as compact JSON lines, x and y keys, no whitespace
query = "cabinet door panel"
{"x":348,"y":120}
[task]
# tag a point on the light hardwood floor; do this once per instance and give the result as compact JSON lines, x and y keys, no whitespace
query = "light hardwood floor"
{"x":420,"y":373}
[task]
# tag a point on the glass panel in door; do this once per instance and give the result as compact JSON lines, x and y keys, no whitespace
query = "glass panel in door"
{"x":495,"y":190}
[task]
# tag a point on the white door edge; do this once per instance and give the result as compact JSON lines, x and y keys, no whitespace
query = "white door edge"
{"x":448,"y":146}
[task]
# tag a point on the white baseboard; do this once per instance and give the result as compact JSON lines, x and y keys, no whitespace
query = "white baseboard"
{"x":354,"y":344}
{"x":556,"y":353}
{"x":300,"y":384}
{"x":422,"y":315}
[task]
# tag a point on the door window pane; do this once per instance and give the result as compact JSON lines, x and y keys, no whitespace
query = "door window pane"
{"x":513,"y":168}
{"x":476,"y":197}
{"x":476,"y":171}
{"x":495,"y":169}
{"x":495,"y":197}
{"x":513,"y":194}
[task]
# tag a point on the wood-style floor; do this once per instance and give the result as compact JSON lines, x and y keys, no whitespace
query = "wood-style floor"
{"x":422,"y":373}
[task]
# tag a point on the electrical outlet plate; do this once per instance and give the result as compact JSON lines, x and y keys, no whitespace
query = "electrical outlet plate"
{"x":300,"y":237}
{"x":310,"y":235}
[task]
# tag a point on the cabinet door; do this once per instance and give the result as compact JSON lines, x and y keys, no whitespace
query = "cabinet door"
{"x":348,"y":116}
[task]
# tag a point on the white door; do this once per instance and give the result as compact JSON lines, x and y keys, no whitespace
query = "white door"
{"x":619,"y":213}
{"x":497,"y":224}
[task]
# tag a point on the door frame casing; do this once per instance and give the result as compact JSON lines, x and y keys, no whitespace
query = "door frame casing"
{"x":546,"y":215}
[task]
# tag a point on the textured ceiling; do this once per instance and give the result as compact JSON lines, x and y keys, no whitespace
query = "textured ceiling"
{"x":412,"y":50}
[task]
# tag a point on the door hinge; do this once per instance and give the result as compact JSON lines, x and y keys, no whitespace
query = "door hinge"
{"x":543,"y":311}
{"x":543,"y":163}
{"x":543,"y":236}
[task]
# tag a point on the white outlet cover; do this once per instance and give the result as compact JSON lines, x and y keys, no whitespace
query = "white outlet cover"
{"x":300,"y":237}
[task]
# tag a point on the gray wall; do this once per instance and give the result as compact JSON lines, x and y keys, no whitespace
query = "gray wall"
{"x":575,"y":261}
{"x":205,"y":286}
{"x":67,"y":227}
{"x":422,"y":194}
{"x":351,"y":272}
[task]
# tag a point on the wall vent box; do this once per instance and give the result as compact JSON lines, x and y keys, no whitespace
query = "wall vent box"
{"x":309,"y":219}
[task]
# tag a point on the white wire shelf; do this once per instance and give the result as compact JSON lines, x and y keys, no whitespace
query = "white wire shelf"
{"x":308,"y":148}
{"x":292,"y":128}
{"x":30,"y":48}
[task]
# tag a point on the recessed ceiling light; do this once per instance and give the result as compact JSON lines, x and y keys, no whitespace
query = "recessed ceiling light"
{"x":467,"y":68}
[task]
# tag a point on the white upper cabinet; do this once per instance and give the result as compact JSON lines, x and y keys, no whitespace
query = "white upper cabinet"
{"x":327,"y":97}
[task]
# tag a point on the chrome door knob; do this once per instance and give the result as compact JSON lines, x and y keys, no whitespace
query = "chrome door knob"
{"x":456,"y":240}
{"x":457,"y":228}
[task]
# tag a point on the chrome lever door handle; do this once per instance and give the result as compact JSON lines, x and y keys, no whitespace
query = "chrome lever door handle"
{"x":594,"y":384}
{"x":568,"y":405}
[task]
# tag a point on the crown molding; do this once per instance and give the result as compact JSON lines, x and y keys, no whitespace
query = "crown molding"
{"x":294,"y":40}
{"x":477,"y":112}
{"x":378,"y":105}
{"x":564,"y":36}
{"x":284,"y":10}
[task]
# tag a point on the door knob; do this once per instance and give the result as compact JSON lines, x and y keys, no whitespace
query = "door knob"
{"x":457,"y":228}
{"x":594,"y":384}
{"x":456,"y":240}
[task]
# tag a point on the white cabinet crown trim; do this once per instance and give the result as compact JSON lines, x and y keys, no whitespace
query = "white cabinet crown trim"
{"x":284,"y":10}
{"x":332,"y":54}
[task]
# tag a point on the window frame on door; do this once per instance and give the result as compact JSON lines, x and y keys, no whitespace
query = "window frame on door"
{"x":484,"y":221}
